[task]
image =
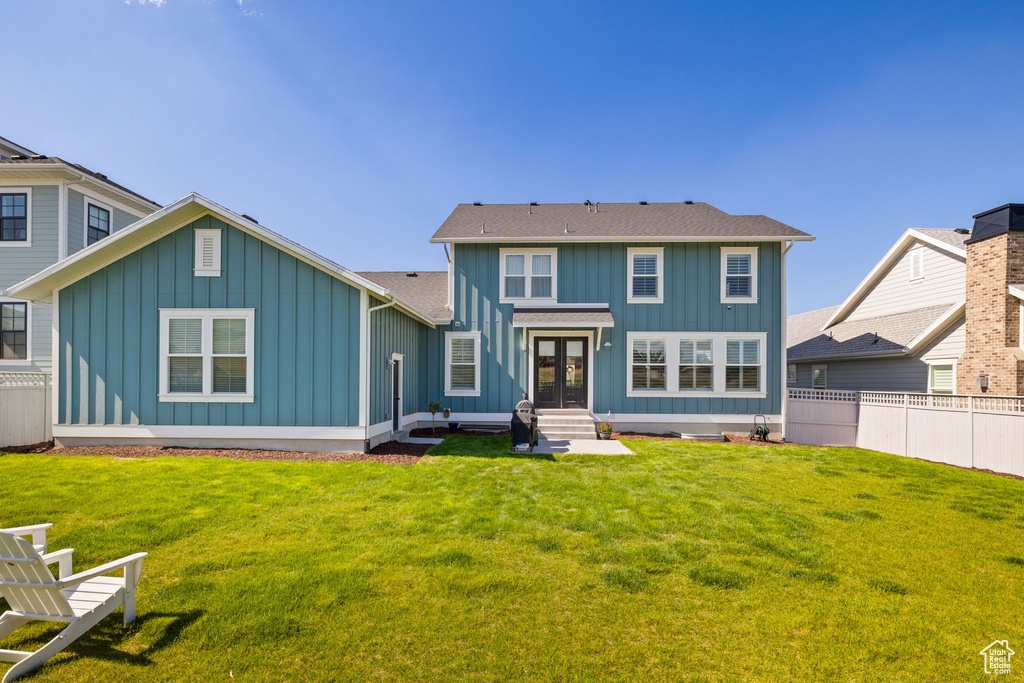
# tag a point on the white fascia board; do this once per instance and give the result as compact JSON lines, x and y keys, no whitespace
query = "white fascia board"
{"x":625,"y":238}
{"x":579,"y":324}
{"x":890,"y":256}
{"x":955,"y":312}
{"x":68,"y":172}
{"x":1017,"y":291}
{"x":207,"y":431}
{"x":105,"y":252}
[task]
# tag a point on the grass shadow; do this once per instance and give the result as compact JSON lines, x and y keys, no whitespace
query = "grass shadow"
{"x":466,"y":446}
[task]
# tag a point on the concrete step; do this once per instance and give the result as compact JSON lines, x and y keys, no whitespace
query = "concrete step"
{"x":563,"y":422}
{"x":561,"y":436}
{"x":568,"y":433}
{"x":563,"y":411}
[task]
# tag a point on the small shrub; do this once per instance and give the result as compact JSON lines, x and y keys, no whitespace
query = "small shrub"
{"x":627,"y":578}
{"x":604,"y":427}
{"x":718,"y":577}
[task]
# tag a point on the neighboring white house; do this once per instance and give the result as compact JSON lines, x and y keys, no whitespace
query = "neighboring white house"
{"x":901,"y":329}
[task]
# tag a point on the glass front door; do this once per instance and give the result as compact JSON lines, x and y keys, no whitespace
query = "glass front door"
{"x":560,"y":372}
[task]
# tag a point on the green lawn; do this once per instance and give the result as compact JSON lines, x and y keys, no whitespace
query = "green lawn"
{"x":683,"y":562}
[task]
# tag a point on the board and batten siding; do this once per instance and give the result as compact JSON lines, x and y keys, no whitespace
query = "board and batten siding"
{"x":306,"y":336}
{"x":119,"y":219}
{"x":392,"y":331}
{"x":596,"y":273}
{"x":943,"y":283}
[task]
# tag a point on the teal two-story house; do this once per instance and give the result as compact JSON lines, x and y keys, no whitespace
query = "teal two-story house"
{"x":197,"y":326}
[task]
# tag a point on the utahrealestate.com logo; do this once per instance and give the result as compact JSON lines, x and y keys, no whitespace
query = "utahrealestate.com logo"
{"x":997,"y":657}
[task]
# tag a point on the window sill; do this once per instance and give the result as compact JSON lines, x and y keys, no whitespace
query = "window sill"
{"x":456,"y":393}
{"x":646,"y":300}
{"x":14,"y":243}
{"x":528,"y":302}
{"x":207,"y":273}
{"x":695,"y":394}
{"x":15,"y":361}
{"x":739,"y":300}
{"x":206,"y":398}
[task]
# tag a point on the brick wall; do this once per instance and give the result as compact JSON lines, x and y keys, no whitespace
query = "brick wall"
{"x":993,"y":317}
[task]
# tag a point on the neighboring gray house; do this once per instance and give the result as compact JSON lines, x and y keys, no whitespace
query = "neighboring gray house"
{"x":49,"y":209}
{"x":902,"y":328}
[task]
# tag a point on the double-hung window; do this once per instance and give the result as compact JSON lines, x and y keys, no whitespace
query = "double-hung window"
{"x":739,"y":275}
{"x":462,"y":364}
{"x":97,"y":222}
{"x":207,"y":355}
{"x":698,"y":364}
{"x":14,"y":219}
{"x":528,"y":275}
{"x":13,"y":331}
{"x":646,"y":280}
{"x":649,"y":364}
{"x":819,"y":376}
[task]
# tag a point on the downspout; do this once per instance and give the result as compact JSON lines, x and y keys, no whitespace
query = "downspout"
{"x":785,"y":356}
{"x":365,"y":367}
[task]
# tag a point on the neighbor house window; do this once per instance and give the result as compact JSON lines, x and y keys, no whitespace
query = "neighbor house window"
{"x":819,"y":376}
{"x":696,"y":364}
{"x":14,"y":220}
{"x":462,"y":364}
{"x":13,"y":331}
{"x":645,"y":278}
{"x":941,"y":378}
{"x":528,"y":274}
{"x":917,"y":264}
{"x":207,"y":355}
{"x":649,"y":364}
{"x":723,"y":364}
{"x":791,"y":373}
{"x":742,"y":365}
{"x":739,"y":275}
{"x":97,"y":223}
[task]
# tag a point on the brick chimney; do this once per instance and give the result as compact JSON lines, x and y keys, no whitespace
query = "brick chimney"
{"x":995,"y":262}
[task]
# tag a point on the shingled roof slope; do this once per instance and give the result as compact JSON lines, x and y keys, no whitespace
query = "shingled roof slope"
{"x":427,"y":291}
{"x":947,"y":235}
{"x":561,"y":222}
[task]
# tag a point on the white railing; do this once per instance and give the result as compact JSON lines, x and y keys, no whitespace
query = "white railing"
{"x":24,"y":408}
{"x":986,"y":432}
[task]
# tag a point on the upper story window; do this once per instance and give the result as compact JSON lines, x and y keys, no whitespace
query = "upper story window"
{"x":739,"y":275}
{"x":15,"y":226}
{"x":13,"y":331}
{"x":529,"y":274}
{"x":206,"y":355}
{"x":462,"y":364}
{"x":645,"y":275}
{"x":97,"y":222}
{"x":917,"y":264}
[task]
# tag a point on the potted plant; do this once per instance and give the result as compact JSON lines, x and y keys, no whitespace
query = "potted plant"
{"x":604,"y":430}
{"x":434,"y":407}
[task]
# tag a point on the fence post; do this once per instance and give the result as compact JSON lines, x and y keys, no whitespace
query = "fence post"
{"x":970,"y":416}
{"x":906,"y":425}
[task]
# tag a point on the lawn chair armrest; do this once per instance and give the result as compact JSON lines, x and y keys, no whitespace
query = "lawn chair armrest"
{"x":132,"y":565}
{"x":61,"y":556}
{"x":37,"y":531}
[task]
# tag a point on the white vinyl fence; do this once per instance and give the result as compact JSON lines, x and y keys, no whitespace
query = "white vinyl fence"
{"x":986,"y":432}
{"x":24,"y":408}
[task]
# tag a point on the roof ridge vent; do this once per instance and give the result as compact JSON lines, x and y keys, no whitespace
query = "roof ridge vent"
{"x":39,"y":156}
{"x":962,"y":231}
{"x":477,"y":203}
{"x":412,"y":274}
{"x":688,"y":201}
{"x":247,"y":216}
{"x":642,"y":203}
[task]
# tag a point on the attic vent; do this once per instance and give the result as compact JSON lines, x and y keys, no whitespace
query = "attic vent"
{"x":207,"y":253}
{"x":412,"y":274}
{"x":477,"y":204}
{"x":962,"y":231}
{"x":642,"y":203}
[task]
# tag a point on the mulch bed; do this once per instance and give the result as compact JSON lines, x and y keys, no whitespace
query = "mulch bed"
{"x":390,"y":453}
{"x":441,"y":432}
{"x":729,"y":438}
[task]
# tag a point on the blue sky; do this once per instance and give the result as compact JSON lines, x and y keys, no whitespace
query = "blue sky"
{"x":355,"y":128}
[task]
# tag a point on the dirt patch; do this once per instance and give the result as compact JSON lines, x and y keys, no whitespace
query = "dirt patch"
{"x":403,"y":454}
{"x":443,"y":431}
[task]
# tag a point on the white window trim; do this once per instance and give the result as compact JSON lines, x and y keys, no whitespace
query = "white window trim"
{"x":448,"y":336}
{"x":86,"y":201}
{"x":528,"y":272}
{"x":814,"y":369}
{"x":718,"y":344}
{"x":197,"y":237}
{"x":752,"y":299}
{"x":794,"y":375}
{"x":28,"y":216}
{"x":659,"y":253}
{"x":916,"y":254}
{"x":1021,"y":337}
{"x":7,"y":362}
{"x":207,"y":315}
{"x":940,"y":361}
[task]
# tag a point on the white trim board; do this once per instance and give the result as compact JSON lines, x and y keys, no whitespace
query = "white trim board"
{"x":588,"y":334}
{"x":890,"y":257}
{"x":207,"y":432}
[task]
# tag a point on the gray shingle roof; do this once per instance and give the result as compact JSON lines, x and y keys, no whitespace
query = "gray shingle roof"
{"x":947,"y":235}
{"x":570,"y":318}
{"x":547,"y":222}
{"x":805,"y":339}
{"x":428,"y":291}
{"x":56,"y":161}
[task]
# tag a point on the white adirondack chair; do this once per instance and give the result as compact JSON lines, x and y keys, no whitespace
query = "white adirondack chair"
{"x":81,"y":599}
